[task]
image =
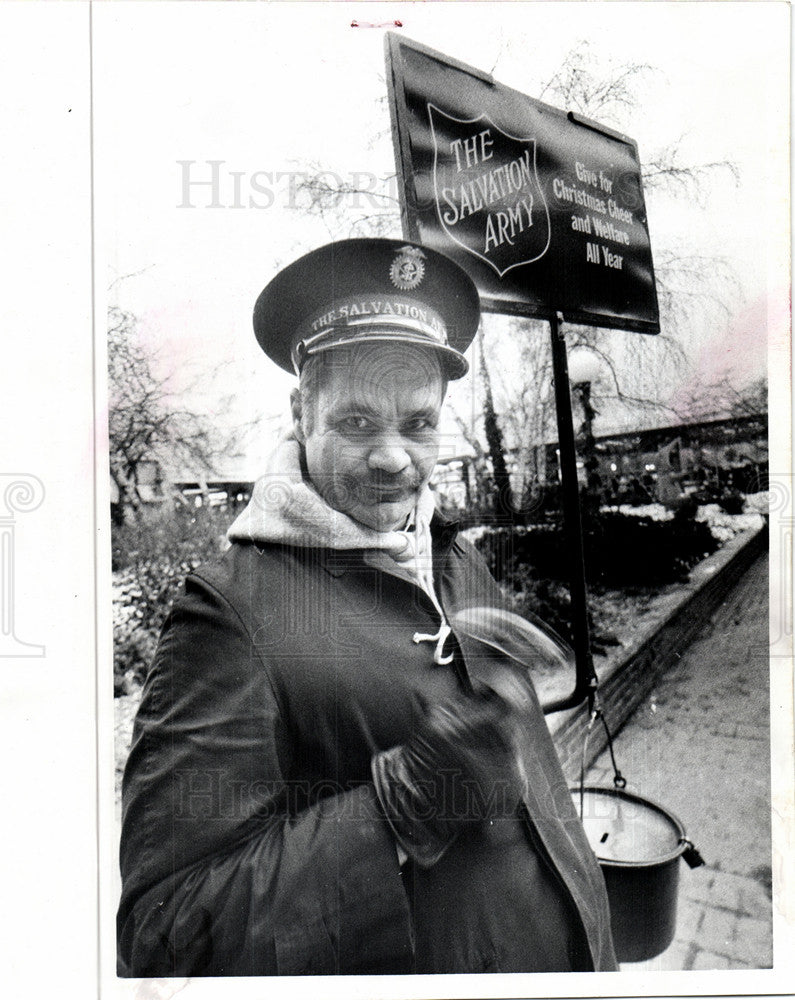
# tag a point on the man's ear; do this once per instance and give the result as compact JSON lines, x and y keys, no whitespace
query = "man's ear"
{"x":297,"y":410}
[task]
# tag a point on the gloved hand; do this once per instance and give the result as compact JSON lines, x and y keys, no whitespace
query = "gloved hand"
{"x":459,"y":767}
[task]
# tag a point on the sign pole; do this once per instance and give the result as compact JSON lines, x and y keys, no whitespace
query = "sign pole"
{"x":586,"y":681}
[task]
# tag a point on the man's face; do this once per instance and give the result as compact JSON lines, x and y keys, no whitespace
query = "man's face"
{"x":371,"y":437}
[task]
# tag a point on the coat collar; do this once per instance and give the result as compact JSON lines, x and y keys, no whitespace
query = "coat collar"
{"x":444,"y":530}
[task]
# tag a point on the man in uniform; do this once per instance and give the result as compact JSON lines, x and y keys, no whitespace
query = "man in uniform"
{"x":330,"y":774}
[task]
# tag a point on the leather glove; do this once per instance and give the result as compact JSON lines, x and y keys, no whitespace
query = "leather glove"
{"x":460,"y":767}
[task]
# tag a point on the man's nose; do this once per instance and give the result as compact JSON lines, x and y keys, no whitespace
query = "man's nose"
{"x":389,"y":456}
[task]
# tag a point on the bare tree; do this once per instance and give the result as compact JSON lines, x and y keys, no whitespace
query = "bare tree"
{"x":722,"y":399}
{"x":583,"y":84}
{"x":145,"y":423}
{"x":610,"y":94}
{"x":503,"y":505}
{"x":365,"y":205}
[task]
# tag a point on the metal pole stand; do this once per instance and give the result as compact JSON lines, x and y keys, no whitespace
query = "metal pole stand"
{"x":586,"y":682}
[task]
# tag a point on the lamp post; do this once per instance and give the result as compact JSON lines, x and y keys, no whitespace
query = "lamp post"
{"x":585,"y":367}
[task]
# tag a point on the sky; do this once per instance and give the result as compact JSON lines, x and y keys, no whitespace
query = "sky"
{"x":270,"y":89}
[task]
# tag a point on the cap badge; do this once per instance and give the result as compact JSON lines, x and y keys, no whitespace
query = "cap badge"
{"x":408,"y":268}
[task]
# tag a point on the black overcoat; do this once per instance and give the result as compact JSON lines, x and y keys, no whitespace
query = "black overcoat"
{"x":252,"y":843}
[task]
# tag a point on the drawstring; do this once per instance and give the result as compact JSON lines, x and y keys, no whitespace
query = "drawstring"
{"x":440,"y":638}
{"x":424,"y":574}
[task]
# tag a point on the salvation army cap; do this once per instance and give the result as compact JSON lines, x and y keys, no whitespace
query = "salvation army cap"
{"x":372,"y":290}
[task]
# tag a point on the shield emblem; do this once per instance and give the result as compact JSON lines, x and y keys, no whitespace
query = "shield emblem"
{"x":488,"y":198}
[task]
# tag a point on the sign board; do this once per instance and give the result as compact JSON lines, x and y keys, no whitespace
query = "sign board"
{"x":544,"y":209}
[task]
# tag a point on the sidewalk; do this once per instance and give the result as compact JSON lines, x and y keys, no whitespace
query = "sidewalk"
{"x":700,"y":746}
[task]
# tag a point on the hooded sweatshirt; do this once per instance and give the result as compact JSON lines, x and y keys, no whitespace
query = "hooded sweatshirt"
{"x":285,"y":508}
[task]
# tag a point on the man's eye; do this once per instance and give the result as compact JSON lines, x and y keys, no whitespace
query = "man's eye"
{"x":355,"y":423}
{"x":419,"y":424}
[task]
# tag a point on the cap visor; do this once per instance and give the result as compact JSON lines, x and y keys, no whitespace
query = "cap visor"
{"x":454,"y":363}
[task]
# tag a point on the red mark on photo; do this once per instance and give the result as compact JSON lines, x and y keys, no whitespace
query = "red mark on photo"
{"x":381,"y":24}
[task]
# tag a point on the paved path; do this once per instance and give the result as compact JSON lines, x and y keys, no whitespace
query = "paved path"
{"x":700,"y":746}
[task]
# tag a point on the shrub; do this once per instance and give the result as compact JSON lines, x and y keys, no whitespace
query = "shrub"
{"x":732,"y":502}
{"x":551,"y":602}
{"x":619,"y":550}
{"x":152,"y":553}
{"x":169,"y":532}
{"x":642,"y":552}
{"x":548,"y":599}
